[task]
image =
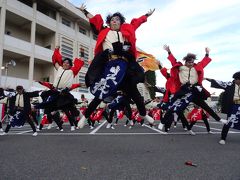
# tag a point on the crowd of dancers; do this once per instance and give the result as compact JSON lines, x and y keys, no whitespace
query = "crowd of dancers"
{"x":112,"y":78}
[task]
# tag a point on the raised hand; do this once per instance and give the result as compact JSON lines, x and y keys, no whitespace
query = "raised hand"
{"x":83,"y":7}
{"x":207,"y":50}
{"x":150,"y":12}
{"x":166,"y":48}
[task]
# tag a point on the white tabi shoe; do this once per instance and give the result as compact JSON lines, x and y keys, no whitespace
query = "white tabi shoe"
{"x":49,"y":126}
{"x":3,"y":134}
{"x":81,"y":122}
{"x":72,"y":128}
{"x":160,"y":126}
{"x":131,"y":122}
{"x":149,"y":119}
{"x":35,"y":134}
{"x":108,"y":125}
{"x":191,"y":133}
{"x":222,"y":142}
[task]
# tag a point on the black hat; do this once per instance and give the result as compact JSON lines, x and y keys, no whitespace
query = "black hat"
{"x":236,"y":75}
{"x":69,"y":61}
{"x":190,"y":57}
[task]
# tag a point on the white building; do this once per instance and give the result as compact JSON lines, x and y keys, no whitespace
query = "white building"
{"x":29,"y":32}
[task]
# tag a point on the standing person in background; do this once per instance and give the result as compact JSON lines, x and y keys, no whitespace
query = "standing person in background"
{"x":115,"y":50}
{"x":20,"y":104}
{"x":197,"y":114}
{"x":230,"y":103}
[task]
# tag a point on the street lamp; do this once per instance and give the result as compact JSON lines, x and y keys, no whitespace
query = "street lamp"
{"x":10,"y":63}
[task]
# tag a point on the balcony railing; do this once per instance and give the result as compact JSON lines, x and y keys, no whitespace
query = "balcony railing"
{"x":22,"y":8}
{"x":17,"y":45}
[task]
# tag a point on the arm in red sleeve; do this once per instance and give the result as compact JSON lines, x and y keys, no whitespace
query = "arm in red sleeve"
{"x":172,"y":59}
{"x":57,"y":57}
{"x":136,"y":22}
{"x":46,"y":84}
{"x":204,"y":62}
{"x":97,"y":22}
{"x":164,"y":72}
{"x":74,"y":86}
{"x":78,"y":63}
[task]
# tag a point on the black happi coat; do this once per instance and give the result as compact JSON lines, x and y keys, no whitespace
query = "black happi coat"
{"x":227,"y":98}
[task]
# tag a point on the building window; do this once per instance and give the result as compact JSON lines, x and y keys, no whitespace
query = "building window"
{"x":66,"y":22}
{"x":28,"y":3}
{"x":67,"y":48}
{"x":84,"y":53}
{"x":82,"y":30}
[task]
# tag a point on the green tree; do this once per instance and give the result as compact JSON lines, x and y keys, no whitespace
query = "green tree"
{"x":150,"y":78}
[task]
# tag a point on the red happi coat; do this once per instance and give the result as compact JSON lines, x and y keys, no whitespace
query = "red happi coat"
{"x":44,"y":120}
{"x":127,"y":30}
{"x":83,"y":109}
{"x":64,"y":118}
{"x":77,"y":64}
{"x":97,"y":116}
{"x":197,"y":114}
{"x":169,"y":85}
{"x":198,"y":66}
{"x":120,"y":114}
{"x":136,"y":115}
{"x":156,"y":114}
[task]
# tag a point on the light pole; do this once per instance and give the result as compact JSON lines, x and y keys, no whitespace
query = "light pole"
{"x":12,"y":63}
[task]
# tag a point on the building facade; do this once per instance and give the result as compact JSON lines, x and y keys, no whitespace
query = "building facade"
{"x":29,"y":32}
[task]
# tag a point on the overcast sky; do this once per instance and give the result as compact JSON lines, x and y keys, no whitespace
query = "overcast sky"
{"x":186,"y":26}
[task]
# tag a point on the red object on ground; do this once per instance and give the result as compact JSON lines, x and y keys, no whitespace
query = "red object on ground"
{"x":190,"y":163}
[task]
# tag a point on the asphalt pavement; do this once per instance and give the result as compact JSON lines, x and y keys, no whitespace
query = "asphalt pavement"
{"x":139,"y":153}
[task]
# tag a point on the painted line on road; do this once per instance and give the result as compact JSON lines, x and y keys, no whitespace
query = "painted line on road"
{"x":212,"y":128}
{"x":96,"y":129}
{"x":116,"y":134}
{"x":154,"y":129}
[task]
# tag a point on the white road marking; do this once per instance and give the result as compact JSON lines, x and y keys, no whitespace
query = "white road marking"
{"x":154,"y":129}
{"x":212,"y":128}
{"x":97,"y":128}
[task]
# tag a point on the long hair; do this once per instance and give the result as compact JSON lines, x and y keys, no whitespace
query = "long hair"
{"x":110,"y":16}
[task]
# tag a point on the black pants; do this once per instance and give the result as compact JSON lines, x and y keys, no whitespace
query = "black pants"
{"x":26,"y":118}
{"x":225,"y":130}
{"x":92,"y":107}
{"x":169,"y":118}
{"x":133,"y":93}
{"x":197,"y":99}
{"x":56,"y":118}
{"x":200,"y":102}
{"x":71,"y":113}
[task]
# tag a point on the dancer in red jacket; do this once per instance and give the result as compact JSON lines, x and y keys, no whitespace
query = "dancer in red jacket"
{"x":115,"y":57}
{"x":59,"y":97}
{"x":188,"y":79}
